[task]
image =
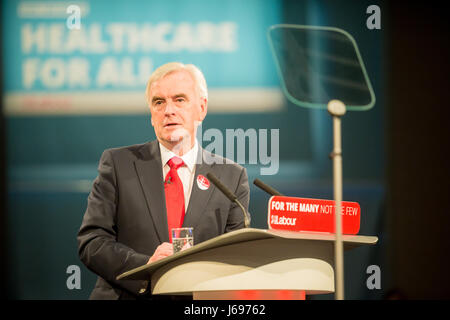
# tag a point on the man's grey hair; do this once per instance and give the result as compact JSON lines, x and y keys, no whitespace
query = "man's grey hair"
{"x":170,"y":67}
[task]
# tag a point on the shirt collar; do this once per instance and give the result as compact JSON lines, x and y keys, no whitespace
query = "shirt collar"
{"x":189,"y":158}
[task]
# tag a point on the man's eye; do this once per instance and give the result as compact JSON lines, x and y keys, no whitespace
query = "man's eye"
{"x":180,"y":100}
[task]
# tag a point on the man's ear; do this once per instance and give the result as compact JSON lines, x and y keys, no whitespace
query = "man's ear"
{"x":151,"y":120}
{"x":203,"y":108}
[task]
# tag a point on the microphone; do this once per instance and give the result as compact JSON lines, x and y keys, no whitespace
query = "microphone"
{"x":230,"y":195}
{"x":266,"y":188}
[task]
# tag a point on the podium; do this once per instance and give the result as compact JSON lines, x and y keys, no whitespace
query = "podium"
{"x":249,"y":264}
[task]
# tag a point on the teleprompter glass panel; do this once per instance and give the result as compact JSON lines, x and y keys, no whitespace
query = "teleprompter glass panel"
{"x":319,"y":64}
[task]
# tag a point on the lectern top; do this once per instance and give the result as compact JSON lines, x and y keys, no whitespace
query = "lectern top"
{"x":249,"y":234}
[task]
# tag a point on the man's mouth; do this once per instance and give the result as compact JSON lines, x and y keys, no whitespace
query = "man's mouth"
{"x":171,"y":124}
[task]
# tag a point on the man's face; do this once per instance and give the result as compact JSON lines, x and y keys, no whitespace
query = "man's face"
{"x":176,"y":108}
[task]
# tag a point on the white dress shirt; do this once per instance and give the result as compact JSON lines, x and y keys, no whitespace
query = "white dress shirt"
{"x":186,"y":172}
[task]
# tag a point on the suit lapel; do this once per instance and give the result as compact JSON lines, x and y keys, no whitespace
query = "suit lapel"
{"x":149,"y":170}
{"x":199,"y":198}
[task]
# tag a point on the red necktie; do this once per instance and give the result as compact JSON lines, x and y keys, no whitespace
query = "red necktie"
{"x":173,"y":188}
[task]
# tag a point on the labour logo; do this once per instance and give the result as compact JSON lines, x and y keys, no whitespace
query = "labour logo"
{"x":202,"y":182}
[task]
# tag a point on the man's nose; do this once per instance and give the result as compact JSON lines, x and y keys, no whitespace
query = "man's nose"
{"x":170,"y":107}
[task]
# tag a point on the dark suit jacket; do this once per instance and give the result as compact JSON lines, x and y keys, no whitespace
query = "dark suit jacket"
{"x":126,"y":218}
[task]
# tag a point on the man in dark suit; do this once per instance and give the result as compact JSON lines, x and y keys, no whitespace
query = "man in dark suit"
{"x":142,"y":191}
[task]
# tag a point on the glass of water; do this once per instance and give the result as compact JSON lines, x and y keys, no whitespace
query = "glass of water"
{"x":182,"y":238}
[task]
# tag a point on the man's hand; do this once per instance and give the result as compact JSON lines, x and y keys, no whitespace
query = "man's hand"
{"x":165,"y":249}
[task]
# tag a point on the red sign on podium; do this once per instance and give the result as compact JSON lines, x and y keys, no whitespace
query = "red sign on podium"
{"x":304,"y":214}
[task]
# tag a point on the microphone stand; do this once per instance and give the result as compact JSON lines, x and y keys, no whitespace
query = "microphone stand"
{"x":246,"y":219}
{"x":231,"y":196}
{"x":337,"y":109}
